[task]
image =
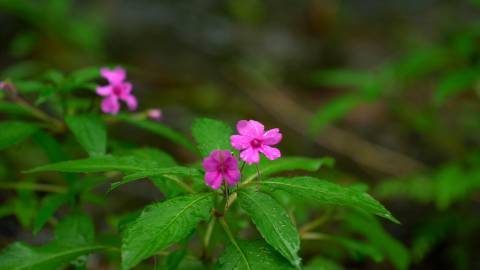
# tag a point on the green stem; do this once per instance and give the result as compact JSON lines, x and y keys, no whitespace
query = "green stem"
{"x":234,"y":242}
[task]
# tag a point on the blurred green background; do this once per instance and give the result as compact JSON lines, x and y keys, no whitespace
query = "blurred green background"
{"x":390,"y":89}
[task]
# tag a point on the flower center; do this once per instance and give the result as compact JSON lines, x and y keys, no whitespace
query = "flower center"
{"x":255,"y":143}
{"x":117,"y":90}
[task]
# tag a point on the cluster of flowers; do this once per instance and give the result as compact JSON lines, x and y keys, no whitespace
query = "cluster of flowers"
{"x":221,"y":166}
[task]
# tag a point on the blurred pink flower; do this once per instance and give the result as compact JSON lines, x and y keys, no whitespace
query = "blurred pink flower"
{"x":3,"y":85}
{"x":155,"y":114}
{"x":221,"y":165}
{"x":117,"y":89}
{"x":253,"y":139}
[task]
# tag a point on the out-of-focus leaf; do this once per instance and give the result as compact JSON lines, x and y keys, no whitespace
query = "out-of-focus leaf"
{"x":75,"y":229}
{"x":21,"y":256}
{"x":333,"y":111}
{"x":328,"y":193}
{"x":284,"y":164}
{"x":420,"y":63}
{"x":359,"y":249}
{"x":454,"y":83}
{"x":319,"y":263}
{"x":251,"y":255}
{"x":340,"y":78}
{"x":162,"y":130}
{"x":48,"y":206}
{"x":174,"y":259}
{"x":211,"y":135}
{"x":25,"y":206}
{"x":163,"y":224}
{"x":13,"y":109}
{"x":273,"y":223}
{"x":373,"y":231}
{"x":14,"y":132}
{"x":90,"y":132}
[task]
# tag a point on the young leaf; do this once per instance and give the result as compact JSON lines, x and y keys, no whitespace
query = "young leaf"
{"x":177,"y":170}
{"x":160,"y":129}
{"x":163,"y":224}
{"x":48,"y":206}
{"x":269,"y":167}
{"x":90,"y":133}
{"x":251,"y":255}
{"x":14,"y":132}
{"x":211,"y":135}
{"x":328,"y":193}
{"x":273,"y":223}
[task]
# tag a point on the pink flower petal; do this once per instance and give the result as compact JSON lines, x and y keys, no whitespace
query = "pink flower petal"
{"x":114,"y":76}
{"x":213,"y":179}
{"x":272,"y":136}
{"x":270,"y":152}
{"x":210,"y":164}
{"x":110,"y":104}
{"x":127,"y":88}
{"x":155,"y":114}
{"x":131,"y":101}
{"x":250,"y":155}
{"x":104,"y":90}
{"x":250,"y":128}
{"x":240,"y":142}
{"x":232,"y":177}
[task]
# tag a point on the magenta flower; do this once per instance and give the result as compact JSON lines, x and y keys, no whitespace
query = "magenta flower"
{"x":2,"y":85}
{"x":117,"y":89}
{"x":253,"y":139}
{"x":155,"y":114}
{"x":221,"y":165}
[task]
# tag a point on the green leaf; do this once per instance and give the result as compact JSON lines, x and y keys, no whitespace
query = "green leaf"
{"x":19,"y":256}
{"x":90,"y":132}
{"x":73,"y":239}
{"x":177,"y":170}
{"x":211,"y":135}
{"x":319,"y":263}
{"x":79,"y":78}
{"x":341,"y":78}
{"x":251,"y":255}
{"x":95,"y":164}
{"x":273,"y":223}
{"x":359,"y":249}
{"x":160,"y":129}
{"x":75,"y":229}
{"x":454,"y":83}
{"x":163,"y":224}
{"x":25,"y":205}
{"x":269,"y":167}
{"x":14,"y":132}
{"x":48,"y":207}
{"x":328,"y":193}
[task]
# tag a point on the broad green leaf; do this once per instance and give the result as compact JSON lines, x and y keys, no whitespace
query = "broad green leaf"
{"x":79,"y":79}
{"x":90,"y":132}
{"x":269,"y":167}
{"x":333,"y":111}
{"x":273,"y":223}
{"x":19,"y":256}
{"x":454,"y":83}
{"x":14,"y":132}
{"x":211,"y":135}
{"x":328,"y":193}
{"x":94,"y":164}
{"x":421,"y":62}
{"x":160,"y":129}
{"x":13,"y":109}
{"x":25,"y":205}
{"x":163,"y":224}
{"x":251,"y":255}
{"x":48,"y":207}
{"x":177,"y":170}
{"x":160,"y":159}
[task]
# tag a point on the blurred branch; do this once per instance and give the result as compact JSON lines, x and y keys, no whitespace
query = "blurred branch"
{"x":289,"y":112}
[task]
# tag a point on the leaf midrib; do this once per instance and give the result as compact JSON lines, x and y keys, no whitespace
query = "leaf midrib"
{"x":92,"y":248}
{"x":268,"y":218}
